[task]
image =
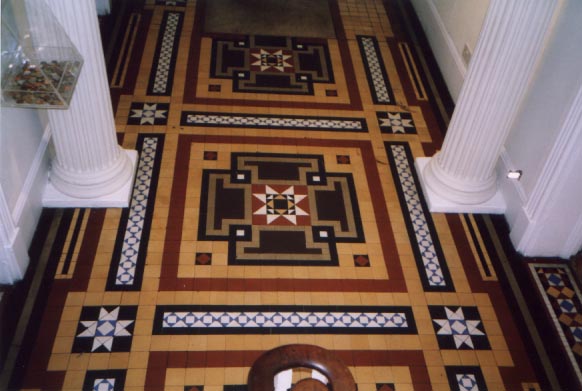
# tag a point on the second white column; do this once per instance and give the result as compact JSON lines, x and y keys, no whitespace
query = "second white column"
{"x":463,"y":171}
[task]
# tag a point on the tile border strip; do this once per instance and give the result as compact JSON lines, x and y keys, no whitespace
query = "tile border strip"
{"x":263,"y":121}
{"x":376,"y":74}
{"x":131,"y":244}
{"x":282,"y":319}
{"x":552,"y":311}
{"x":430,"y":260}
{"x":164,"y":63}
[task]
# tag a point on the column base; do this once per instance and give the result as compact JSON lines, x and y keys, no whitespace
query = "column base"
{"x":438,"y":204}
{"x":53,"y":198}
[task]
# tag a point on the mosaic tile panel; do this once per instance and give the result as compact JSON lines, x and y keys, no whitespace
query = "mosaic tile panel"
{"x":165,"y":55}
{"x":105,"y":329}
{"x":271,"y":64}
{"x":458,"y":328}
{"x":105,"y":380}
{"x":294,"y":122}
{"x":219,"y":315}
{"x":279,"y":209}
{"x":375,"y":70}
{"x":424,"y":239}
{"x":396,"y":122}
{"x":465,"y":378}
{"x":275,"y":319}
{"x":132,"y":240}
{"x":563,"y":300}
{"x":148,"y":113}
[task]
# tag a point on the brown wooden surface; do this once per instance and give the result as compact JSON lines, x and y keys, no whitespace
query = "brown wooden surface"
{"x":285,"y":357}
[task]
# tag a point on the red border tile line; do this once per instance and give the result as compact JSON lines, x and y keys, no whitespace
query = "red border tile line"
{"x":159,"y":362}
{"x":170,"y":281}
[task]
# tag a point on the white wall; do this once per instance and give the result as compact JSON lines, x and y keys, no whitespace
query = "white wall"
{"x":449,"y":25}
{"x":545,"y":206}
{"x":24,"y":137}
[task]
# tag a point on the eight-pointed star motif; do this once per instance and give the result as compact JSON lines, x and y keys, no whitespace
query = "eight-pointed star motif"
{"x":105,"y":329}
{"x":280,"y":60}
{"x":148,"y":114}
{"x":276,"y":204}
{"x":460,"y":328}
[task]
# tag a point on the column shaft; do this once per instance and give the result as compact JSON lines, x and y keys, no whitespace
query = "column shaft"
{"x":89,"y":162}
{"x":509,"y":45}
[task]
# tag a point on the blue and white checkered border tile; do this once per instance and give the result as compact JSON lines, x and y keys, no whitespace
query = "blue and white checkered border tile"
{"x":192,"y":319}
{"x":131,"y":244}
{"x":430,"y":259}
{"x":375,"y":70}
{"x":258,"y":121}
{"x":162,"y":74}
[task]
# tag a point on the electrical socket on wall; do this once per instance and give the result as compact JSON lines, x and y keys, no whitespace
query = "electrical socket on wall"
{"x":466,"y":55}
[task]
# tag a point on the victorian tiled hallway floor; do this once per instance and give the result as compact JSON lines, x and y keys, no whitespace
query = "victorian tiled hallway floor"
{"x":276,"y":202}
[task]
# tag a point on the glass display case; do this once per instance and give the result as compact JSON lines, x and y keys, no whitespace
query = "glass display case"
{"x":40,"y":65}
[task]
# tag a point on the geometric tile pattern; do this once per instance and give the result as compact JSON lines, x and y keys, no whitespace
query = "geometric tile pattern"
{"x":131,"y":245}
{"x":105,"y":329}
{"x":166,"y":52}
{"x":430,"y":260}
{"x":185,"y":319}
{"x":343,"y":159}
{"x":458,"y":327}
{"x":361,"y":260}
{"x":557,"y":286}
{"x":290,"y":203}
{"x":297,"y":221}
{"x":287,"y":185}
{"x":203,"y":259}
{"x":263,"y":60}
{"x":105,"y":380}
{"x":271,"y":64}
{"x":148,"y":113}
{"x":375,"y":70}
{"x":190,"y":118}
{"x":465,"y":378}
{"x":395,"y":122}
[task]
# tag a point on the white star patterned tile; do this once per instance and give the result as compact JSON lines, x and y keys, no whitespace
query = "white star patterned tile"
{"x":458,"y":328}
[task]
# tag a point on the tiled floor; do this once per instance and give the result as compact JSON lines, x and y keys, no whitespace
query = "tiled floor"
{"x":276,"y":202}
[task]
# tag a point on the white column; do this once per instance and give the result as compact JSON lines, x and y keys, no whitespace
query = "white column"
{"x":461,"y":176}
{"x":90,"y":168}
